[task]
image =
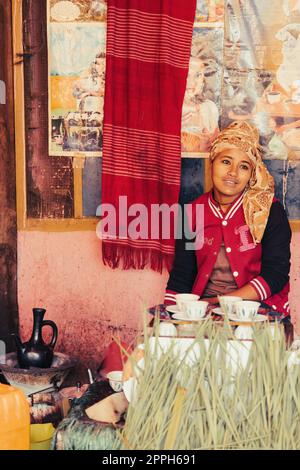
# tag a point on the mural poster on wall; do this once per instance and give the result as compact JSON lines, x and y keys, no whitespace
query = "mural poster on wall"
{"x":210,"y":11}
{"x":262,"y":72}
{"x":202,"y":101}
{"x":76,"y":64}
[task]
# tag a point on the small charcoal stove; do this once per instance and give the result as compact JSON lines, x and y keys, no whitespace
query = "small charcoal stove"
{"x":40,"y":385}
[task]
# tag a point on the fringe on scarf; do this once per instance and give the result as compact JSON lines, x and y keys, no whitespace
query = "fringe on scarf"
{"x":126,"y":257}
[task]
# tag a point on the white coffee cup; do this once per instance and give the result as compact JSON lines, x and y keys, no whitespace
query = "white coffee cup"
{"x":167,"y":329}
{"x":227,"y":303}
{"x":243,"y":332}
{"x":195,"y":310}
{"x":115,"y":378}
{"x":184,"y":298}
{"x":246,"y":309}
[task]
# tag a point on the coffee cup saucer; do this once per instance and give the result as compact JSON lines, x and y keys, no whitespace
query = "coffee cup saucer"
{"x":173,"y":309}
{"x":257,"y":319}
{"x":182,"y":317}
{"x":232,"y":317}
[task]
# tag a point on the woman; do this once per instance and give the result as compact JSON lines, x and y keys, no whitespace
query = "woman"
{"x":246,"y":250}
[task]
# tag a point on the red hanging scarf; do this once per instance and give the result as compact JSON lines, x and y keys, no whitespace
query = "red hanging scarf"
{"x":148,"y":50}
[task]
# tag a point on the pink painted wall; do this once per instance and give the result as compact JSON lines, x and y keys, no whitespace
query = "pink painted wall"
{"x":295,"y":282}
{"x":89,"y":302}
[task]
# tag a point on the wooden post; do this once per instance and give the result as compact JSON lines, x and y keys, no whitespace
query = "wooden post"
{"x":8,"y":229}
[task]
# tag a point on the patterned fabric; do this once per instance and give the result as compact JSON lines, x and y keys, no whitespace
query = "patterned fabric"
{"x":147,"y":58}
{"x":258,"y":197}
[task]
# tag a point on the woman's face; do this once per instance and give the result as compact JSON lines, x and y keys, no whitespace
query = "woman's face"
{"x":195,"y":80}
{"x":231,"y":171}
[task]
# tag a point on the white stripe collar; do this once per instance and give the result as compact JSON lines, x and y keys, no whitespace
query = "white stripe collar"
{"x":236,"y":205}
{"x":217,"y":211}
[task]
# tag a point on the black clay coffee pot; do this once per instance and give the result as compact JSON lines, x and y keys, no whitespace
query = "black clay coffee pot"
{"x":35,"y":352}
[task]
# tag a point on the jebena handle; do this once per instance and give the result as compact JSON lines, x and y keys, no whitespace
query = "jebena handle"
{"x":54,"y":329}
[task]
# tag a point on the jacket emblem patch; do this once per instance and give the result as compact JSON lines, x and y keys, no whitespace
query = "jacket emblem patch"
{"x":245,"y":238}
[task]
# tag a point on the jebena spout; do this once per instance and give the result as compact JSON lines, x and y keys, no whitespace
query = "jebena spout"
{"x":21,"y":351}
{"x":19,"y":344}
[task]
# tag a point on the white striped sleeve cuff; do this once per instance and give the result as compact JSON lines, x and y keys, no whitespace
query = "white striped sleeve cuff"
{"x":170,"y":297}
{"x":261,"y":287}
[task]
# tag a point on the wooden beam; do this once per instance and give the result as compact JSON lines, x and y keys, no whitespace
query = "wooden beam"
{"x":62,"y":225}
{"x":8,"y":223}
{"x":78,"y":165}
{"x":207,"y":177}
{"x":20,"y":148}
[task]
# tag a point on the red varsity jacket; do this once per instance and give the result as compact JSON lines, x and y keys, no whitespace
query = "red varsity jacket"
{"x":245,"y":257}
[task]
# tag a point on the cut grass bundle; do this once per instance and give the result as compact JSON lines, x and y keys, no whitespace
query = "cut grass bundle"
{"x":218,"y":393}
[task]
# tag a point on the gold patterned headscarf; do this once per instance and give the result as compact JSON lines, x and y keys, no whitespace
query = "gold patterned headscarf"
{"x":259,"y":194}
